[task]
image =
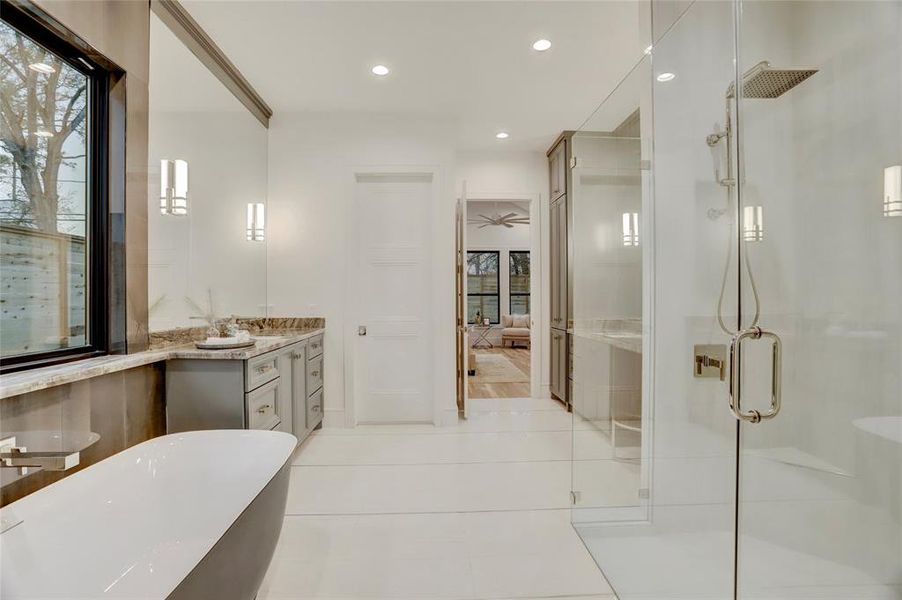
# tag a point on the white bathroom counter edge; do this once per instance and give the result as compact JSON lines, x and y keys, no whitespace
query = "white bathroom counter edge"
{"x":23,"y":382}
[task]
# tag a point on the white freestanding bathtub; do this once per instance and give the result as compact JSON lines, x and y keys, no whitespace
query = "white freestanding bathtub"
{"x":191,"y":515}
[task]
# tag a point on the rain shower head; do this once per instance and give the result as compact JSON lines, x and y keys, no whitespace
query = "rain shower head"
{"x":763,"y":81}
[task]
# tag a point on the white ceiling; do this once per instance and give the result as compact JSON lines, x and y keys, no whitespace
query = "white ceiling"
{"x":190,"y":87}
{"x":469,"y":61}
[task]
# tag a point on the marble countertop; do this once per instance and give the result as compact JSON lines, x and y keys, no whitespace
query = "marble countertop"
{"x":22,"y":382}
{"x":265,"y":343}
{"x":625,"y":334}
{"x":623,"y":340}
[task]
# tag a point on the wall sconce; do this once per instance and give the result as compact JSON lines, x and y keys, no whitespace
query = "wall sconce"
{"x":173,"y":187}
{"x":256,"y":222}
{"x":630,"y":229}
{"x":753,"y":223}
{"x":892,"y":191}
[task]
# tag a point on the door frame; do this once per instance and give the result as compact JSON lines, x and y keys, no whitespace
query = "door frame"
{"x":461,"y":334}
{"x":539,"y":382}
{"x":351,"y":310}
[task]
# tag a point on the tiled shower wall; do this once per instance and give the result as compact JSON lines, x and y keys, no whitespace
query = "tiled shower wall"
{"x":123,"y":408}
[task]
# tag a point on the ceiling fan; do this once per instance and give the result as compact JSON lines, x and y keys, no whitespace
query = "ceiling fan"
{"x":508,"y":220}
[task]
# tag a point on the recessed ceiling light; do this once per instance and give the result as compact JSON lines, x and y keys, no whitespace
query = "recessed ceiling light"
{"x":648,"y":50}
{"x":502,"y":135}
{"x":666,"y":77}
{"x":44,"y":134}
{"x":380,"y":70}
{"x":41,"y":68}
{"x":541,"y":45}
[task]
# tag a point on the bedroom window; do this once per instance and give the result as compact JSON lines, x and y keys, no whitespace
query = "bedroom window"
{"x":483,"y":289}
{"x":519,"y":282}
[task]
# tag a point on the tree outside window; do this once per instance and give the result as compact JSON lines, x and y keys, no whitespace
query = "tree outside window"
{"x":44,"y":197}
{"x":519,"y":282}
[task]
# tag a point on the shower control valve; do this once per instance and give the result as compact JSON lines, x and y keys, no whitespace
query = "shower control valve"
{"x":710,"y":361}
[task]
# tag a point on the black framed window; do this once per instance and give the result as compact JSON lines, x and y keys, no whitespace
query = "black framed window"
{"x":483,"y":289}
{"x":519,"y":282}
{"x":54,"y":205}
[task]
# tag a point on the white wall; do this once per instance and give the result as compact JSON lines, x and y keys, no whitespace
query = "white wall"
{"x":313,"y":158}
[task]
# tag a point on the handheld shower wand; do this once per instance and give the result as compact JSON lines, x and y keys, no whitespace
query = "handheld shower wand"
{"x":760,"y":82}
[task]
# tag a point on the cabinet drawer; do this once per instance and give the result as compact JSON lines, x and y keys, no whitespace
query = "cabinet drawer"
{"x":314,"y":374}
{"x":314,"y":409}
{"x":315,"y":346}
{"x":262,"y":411}
{"x":261,"y":369}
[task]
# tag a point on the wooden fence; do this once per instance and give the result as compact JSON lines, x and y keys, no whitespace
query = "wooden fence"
{"x":43,"y":297}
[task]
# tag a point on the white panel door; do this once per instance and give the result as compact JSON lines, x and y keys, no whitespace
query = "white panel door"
{"x":392,"y":291}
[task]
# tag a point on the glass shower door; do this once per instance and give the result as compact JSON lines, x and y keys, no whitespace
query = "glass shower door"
{"x":670,"y":533}
{"x":609,"y":473}
{"x":819,"y":178}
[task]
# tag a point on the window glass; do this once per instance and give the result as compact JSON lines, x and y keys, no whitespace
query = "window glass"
{"x":519,"y":282}
{"x":44,"y":110}
{"x":483,"y":289}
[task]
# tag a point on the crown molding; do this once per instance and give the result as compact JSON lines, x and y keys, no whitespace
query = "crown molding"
{"x":189,"y":31}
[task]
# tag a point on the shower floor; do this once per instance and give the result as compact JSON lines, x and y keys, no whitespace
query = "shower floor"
{"x":691,"y":563}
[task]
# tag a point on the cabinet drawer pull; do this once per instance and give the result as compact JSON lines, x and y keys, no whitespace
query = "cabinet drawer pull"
{"x":264,"y":408}
{"x":298,"y":355}
{"x":315,"y":373}
{"x":315,"y":408}
{"x":264,"y":369}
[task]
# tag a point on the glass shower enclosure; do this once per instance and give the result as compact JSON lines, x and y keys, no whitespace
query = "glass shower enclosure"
{"x":737,"y":270}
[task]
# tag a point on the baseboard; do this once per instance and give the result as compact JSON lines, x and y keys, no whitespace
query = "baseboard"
{"x":334,"y":417}
{"x":448,"y":418}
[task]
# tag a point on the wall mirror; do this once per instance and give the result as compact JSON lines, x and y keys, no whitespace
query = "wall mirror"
{"x":207,"y":193}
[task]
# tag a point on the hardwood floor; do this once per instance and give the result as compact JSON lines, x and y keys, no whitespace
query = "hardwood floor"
{"x":520,"y":358}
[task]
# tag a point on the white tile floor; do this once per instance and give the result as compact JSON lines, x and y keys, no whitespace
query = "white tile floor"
{"x":479,"y":510}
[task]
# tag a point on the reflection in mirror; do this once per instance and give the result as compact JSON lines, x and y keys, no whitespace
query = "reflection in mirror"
{"x":207,"y":181}
{"x":608,"y":245}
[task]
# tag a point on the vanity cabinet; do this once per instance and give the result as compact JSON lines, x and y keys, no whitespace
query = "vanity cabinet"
{"x":559,"y":274}
{"x":279,"y":390}
{"x":559,"y":371}
{"x":314,"y":382}
{"x":263,"y":410}
{"x":301,"y":366}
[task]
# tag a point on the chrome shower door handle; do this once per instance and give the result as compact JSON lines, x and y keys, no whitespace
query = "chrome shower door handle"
{"x":776,"y":390}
